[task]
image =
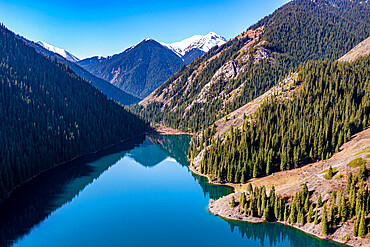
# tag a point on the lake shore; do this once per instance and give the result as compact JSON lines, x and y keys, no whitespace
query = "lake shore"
{"x":222,"y":209}
{"x":70,"y":160}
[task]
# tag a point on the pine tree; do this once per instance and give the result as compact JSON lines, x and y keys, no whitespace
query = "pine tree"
{"x":307,"y":204}
{"x":249,"y":188}
{"x":319,"y":202}
{"x":324,"y":222}
{"x":232,"y":202}
{"x":310,"y":213}
{"x":362,"y":226}
{"x":246,"y":209}
{"x":362,"y":173}
{"x":316,"y":220}
{"x":355,"y":227}
{"x":330,"y":173}
{"x":242,"y":200}
{"x":286,"y":213}
{"x":343,"y":207}
{"x":300,"y":217}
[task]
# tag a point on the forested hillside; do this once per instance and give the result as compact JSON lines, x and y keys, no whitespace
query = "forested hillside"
{"x":50,"y":115}
{"x":331,"y":104}
{"x":230,"y":76}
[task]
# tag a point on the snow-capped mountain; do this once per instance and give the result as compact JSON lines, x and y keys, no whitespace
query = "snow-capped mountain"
{"x":201,"y":42}
{"x":59,"y":51}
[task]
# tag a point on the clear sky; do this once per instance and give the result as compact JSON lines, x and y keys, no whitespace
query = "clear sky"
{"x":91,"y":27}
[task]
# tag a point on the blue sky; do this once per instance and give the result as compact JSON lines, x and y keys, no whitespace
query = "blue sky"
{"x":88,"y":28}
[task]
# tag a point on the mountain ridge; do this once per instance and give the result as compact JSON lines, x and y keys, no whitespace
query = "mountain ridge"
{"x":192,"y":47}
{"x":138,"y":70}
{"x":67,"y":55}
{"x":143,"y":67}
{"x":107,"y":88}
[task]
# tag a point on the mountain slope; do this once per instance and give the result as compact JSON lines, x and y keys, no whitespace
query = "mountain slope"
{"x":232,"y":75}
{"x":59,"y":51}
{"x":50,"y":115}
{"x":138,"y":70}
{"x":105,"y":87}
{"x":361,"y":49}
{"x":195,"y":46}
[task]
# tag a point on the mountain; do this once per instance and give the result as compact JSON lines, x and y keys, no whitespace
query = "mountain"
{"x":142,"y":68}
{"x":195,"y":46}
{"x":138,"y":70}
{"x":228,"y":77}
{"x":105,"y":87}
{"x":59,"y":51}
{"x":50,"y":115}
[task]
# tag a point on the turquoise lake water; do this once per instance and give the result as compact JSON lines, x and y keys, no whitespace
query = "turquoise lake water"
{"x":139,"y":193}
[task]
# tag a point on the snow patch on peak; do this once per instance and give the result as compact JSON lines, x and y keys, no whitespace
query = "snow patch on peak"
{"x":59,"y":51}
{"x":201,"y":42}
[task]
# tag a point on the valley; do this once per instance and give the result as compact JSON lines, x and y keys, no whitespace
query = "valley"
{"x":260,"y":139}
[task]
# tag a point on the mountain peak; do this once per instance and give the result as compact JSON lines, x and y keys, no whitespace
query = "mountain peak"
{"x":201,"y":42}
{"x":59,"y":51}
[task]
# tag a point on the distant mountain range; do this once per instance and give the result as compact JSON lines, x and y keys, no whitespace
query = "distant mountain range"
{"x":65,"y":57}
{"x":138,"y":70}
{"x":142,"y":68}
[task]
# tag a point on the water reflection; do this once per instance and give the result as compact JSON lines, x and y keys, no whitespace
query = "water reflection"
{"x":176,"y":146}
{"x":33,"y":202}
{"x":273,"y":234}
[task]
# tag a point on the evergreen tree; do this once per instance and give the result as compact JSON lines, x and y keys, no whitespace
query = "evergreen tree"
{"x":330,"y":173}
{"x":232,"y":202}
{"x":343,"y":207}
{"x":319,"y":202}
{"x":362,"y":173}
{"x":316,"y":220}
{"x":324,"y":222}
{"x":310,"y":214}
{"x":362,"y":226}
{"x":355,"y":227}
{"x":249,"y":188}
{"x":242,"y":200}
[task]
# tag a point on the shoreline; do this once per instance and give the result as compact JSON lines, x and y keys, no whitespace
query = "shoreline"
{"x":65,"y":162}
{"x":221,"y":208}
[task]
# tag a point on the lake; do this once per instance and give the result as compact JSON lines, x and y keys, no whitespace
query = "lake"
{"x":139,"y":193}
